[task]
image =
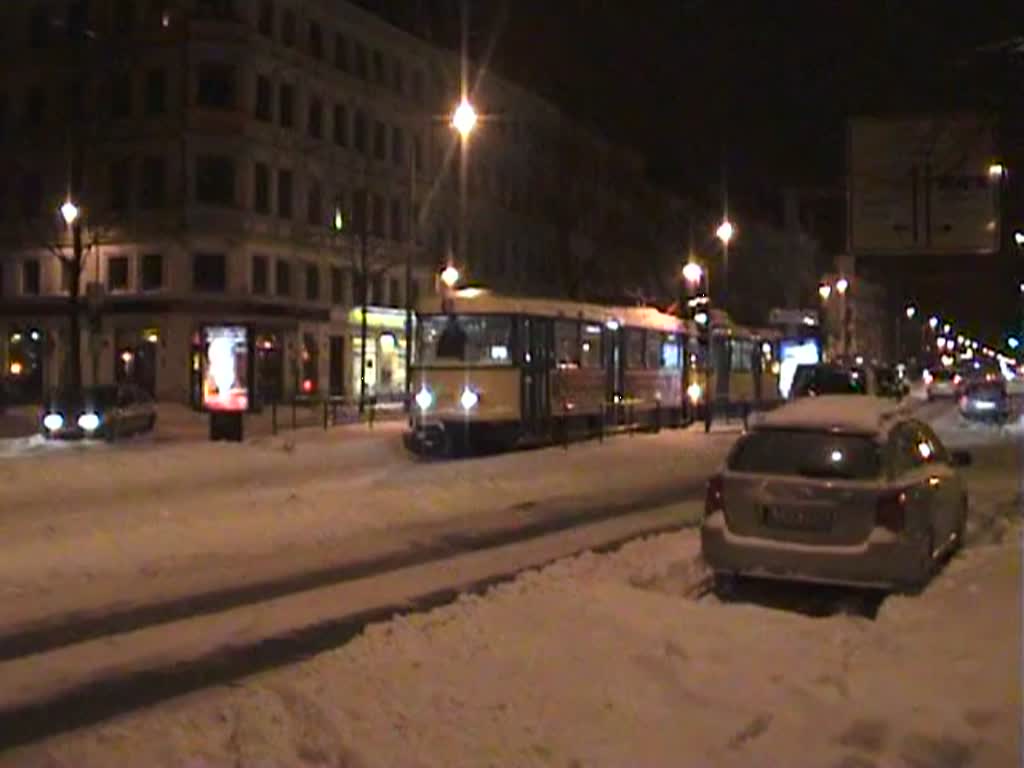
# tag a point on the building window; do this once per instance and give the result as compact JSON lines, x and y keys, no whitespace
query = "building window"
{"x":151,"y":272}
{"x":341,"y":125}
{"x":265,"y":25}
{"x":288,"y":24}
{"x":414,"y":292}
{"x":397,"y":76}
{"x":31,"y":195}
{"x":39,"y":27}
{"x":120,"y":184}
{"x":380,"y":140}
{"x":36,"y":106}
{"x":215,"y":180}
{"x":117,"y":273}
{"x":30,"y":277}
{"x":341,"y":53}
{"x":283,"y":278}
{"x":361,"y":63}
{"x":417,"y":152}
{"x":156,"y":92}
{"x":210,"y":272}
{"x":394,"y":293}
{"x":417,"y":86}
{"x":316,"y":118}
{"x":337,"y":285}
{"x":261,"y":188}
{"x":264,"y":107}
{"x":312,"y":282}
{"x":397,"y":145}
{"x":378,"y":216}
{"x":284,"y":194}
{"x":377,"y":290}
{"x":316,"y":40}
{"x":216,"y":85}
{"x":314,"y":214}
{"x":259,"y":275}
{"x":379,"y":72}
{"x":359,"y":129}
{"x":151,"y":191}
{"x":396,"y":220}
{"x":286,"y":105}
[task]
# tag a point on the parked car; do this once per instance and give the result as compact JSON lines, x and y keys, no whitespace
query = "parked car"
{"x":106,"y":412}
{"x":985,"y":400}
{"x":941,"y":383}
{"x":813,"y":380}
{"x":836,"y":489}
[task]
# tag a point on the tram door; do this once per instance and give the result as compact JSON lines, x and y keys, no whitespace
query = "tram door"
{"x":537,"y":339}
{"x":721,"y":359}
{"x":614,"y":361}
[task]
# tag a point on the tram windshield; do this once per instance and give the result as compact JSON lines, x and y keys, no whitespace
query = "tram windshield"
{"x":473,"y":339}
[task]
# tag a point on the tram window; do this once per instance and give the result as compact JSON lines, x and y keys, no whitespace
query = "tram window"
{"x":478,"y":339}
{"x":670,"y":351}
{"x":742,"y":355}
{"x":567,"y":344}
{"x":634,"y":348}
{"x":590,"y":350}
{"x":653,"y":349}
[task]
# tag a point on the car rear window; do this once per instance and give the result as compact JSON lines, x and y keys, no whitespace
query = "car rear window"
{"x":807,"y":454}
{"x":829,"y":381}
{"x":985,"y":389}
{"x":942,"y":375}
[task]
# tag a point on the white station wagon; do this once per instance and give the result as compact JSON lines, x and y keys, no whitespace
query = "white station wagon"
{"x":836,"y":489}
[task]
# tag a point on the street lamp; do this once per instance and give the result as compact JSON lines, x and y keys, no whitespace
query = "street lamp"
{"x":450,"y":276}
{"x":933,"y":322}
{"x":910,"y":311}
{"x":464,"y":118}
{"x":1018,"y":238}
{"x":842,"y":285}
{"x":824,"y":290}
{"x":725,"y":232}
{"x":70,"y":212}
{"x":692,"y":273}
{"x":947,"y":328}
{"x":1013,"y":342}
{"x":996,"y":170}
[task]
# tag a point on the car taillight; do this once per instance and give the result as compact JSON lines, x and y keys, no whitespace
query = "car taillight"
{"x":957,"y":380}
{"x":713,"y":498}
{"x":891,"y":511}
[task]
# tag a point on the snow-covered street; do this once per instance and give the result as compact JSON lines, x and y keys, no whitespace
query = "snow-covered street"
{"x":597,"y":660}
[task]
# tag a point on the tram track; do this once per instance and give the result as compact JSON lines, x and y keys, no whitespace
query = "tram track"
{"x":68,"y":672}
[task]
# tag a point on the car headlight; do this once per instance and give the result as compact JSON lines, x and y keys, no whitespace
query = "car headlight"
{"x":424,"y":399}
{"x":90,"y":422}
{"x":53,"y":421}
{"x":469,"y":399}
{"x":694,"y":392}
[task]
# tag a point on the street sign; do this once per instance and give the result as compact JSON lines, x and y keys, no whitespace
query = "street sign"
{"x":922,"y":186}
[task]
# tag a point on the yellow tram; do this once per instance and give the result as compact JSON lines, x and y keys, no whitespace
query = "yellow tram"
{"x":493,"y":371}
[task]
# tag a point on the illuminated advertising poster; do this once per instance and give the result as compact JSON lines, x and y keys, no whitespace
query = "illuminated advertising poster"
{"x":226,"y":368}
{"x":793,"y":353}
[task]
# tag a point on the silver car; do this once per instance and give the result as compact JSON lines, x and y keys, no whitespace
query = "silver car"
{"x":836,"y":489}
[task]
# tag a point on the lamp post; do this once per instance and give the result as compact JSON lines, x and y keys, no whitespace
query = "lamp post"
{"x":72,"y":217}
{"x":842,"y":286}
{"x":725,"y":233}
{"x":464,"y":120}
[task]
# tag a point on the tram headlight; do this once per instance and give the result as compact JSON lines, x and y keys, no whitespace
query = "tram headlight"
{"x":53,"y":421}
{"x":424,"y":399}
{"x":469,"y":399}
{"x":90,"y":422}
{"x":695,"y":392}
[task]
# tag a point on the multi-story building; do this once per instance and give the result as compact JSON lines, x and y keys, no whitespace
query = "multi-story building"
{"x":260,"y":162}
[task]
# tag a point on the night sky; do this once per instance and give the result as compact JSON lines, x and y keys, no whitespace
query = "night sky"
{"x":761,"y":89}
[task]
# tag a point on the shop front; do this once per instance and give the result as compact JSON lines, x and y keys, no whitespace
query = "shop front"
{"x":386,"y":351}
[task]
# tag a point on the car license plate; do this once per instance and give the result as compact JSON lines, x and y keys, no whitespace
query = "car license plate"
{"x":798,"y":518}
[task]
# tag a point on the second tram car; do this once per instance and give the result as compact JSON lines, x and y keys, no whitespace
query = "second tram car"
{"x":494,"y":371}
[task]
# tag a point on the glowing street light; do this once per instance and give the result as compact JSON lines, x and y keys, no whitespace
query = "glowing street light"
{"x":933,"y":322}
{"x":69,"y":211}
{"x":464,"y":118}
{"x":725,"y":231}
{"x":842,"y":285}
{"x":1013,"y":342}
{"x":450,"y":276}
{"x":910,"y":311}
{"x":947,"y":328}
{"x":693,"y":272}
{"x":824,"y":290}
{"x":1018,"y":238}
{"x":996,"y":170}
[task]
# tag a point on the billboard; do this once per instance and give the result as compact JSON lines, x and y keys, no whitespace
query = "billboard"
{"x":226,"y":368}
{"x":922,"y":185}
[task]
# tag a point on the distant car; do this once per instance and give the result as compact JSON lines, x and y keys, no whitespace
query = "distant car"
{"x":985,"y":400}
{"x":106,"y":412}
{"x":890,"y":383}
{"x":836,"y":489}
{"x":942,"y":383}
{"x":830,"y":379}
